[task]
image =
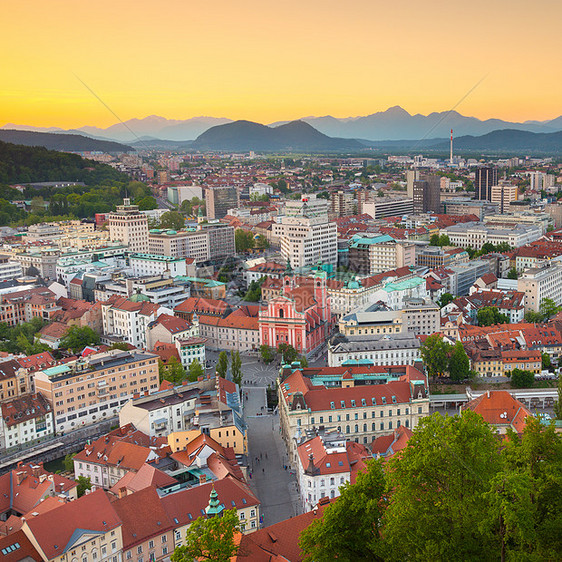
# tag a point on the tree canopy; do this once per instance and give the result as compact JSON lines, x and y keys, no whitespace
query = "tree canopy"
{"x":172,"y":220}
{"x":76,"y":338}
{"x":222,"y":365}
{"x":209,"y":539}
{"x":490,"y":316}
{"x":455,"y":492}
{"x":435,"y":353}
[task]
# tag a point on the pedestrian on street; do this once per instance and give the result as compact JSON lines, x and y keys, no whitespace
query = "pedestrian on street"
{"x":263,"y":469}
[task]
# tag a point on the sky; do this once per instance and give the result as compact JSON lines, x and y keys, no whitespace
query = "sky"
{"x":267,"y":61}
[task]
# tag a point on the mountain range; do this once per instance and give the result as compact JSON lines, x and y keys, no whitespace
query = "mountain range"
{"x":393,"y":124}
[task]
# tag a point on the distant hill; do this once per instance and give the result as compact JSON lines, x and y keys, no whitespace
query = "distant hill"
{"x":508,"y":141}
{"x":247,"y":135}
{"x":61,"y":141}
{"x":25,"y":164}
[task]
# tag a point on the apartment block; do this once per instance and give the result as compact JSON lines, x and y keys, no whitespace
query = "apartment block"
{"x":358,"y":409}
{"x":539,"y":283}
{"x":370,"y":255}
{"x":89,"y":389}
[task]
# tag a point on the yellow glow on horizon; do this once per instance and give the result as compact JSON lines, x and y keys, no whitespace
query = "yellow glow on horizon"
{"x":266,"y":61}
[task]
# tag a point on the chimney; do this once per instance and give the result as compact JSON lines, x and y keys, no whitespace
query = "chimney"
{"x":202,"y":479}
{"x":488,"y":393}
{"x":20,"y":476}
{"x":122,"y":492}
{"x":36,"y":470}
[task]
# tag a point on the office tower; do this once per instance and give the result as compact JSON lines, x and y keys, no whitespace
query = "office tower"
{"x":484,"y":180}
{"x":128,"y":225}
{"x":427,"y":194}
{"x":411,"y":177}
{"x":503,"y":195}
{"x":219,"y":199}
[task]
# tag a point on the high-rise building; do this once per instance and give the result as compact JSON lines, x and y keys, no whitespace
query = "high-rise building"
{"x":128,"y":225}
{"x":411,"y":177}
{"x":503,"y":195}
{"x":219,"y":199}
{"x":305,"y":233}
{"x":342,"y":204}
{"x":427,"y":194}
{"x":484,"y":180}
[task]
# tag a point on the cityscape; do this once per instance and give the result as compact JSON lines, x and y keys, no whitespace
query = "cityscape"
{"x":276,"y":332}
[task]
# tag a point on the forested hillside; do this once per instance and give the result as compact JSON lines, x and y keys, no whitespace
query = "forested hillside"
{"x":105,"y":187}
{"x":23,"y":164}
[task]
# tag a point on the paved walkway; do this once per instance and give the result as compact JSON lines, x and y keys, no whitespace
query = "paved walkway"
{"x":274,"y":486}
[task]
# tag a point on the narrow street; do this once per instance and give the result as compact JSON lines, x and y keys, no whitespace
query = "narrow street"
{"x":274,"y":486}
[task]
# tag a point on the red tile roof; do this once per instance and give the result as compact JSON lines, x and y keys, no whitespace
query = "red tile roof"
{"x":24,"y":551}
{"x":143,"y":517}
{"x":173,"y":324}
{"x":277,"y":542}
{"x":54,"y":530}
{"x":24,"y":408}
{"x":187,"y":505}
{"x":498,"y":407}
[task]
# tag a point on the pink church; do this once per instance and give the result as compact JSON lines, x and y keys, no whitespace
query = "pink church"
{"x":299,"y":316}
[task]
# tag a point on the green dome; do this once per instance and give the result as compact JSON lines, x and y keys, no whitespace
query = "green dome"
{"x":353,"y":285}
{"x":170,"y":232}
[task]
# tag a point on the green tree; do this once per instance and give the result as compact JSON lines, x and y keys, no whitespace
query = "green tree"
{"x":548,"y":308}
{"x":147,"y":203}
{"x":512,"y":274}
{"x":434,"y":240}
{"x":68,"y":462}
{"x":77,"y":338}
{"x":350,"y":528}
{"x":195,"y":371}
{"x":266,"y":353}
{"x":444,"y":240}
{"x":459,"y":364}
{"x":84,"y":483}
{"x":435,"y":353}
{"x":558,"y":403}
{"x":244,"y":240}
{"x":546,"y":363}
{"x":533,"y":317}
{"x":222,"y":364}
{"x":288,"y":352}
{"x":525,"y":504}
{"x":175,"y":370}
{"x":445,"y":299}
{"x":253,"y":294}
{"x":172,"y":220}
{"x":490,"y":316}
{"x":262,"y":243}
{"x":521,"y":378}
{"x":303,"y":361}
{"x":209,"y":539}
{"x":437,"y":487}
{"x":236,"y":366}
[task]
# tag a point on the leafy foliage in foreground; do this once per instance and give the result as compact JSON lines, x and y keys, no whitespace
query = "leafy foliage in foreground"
{"x":456,"y":492}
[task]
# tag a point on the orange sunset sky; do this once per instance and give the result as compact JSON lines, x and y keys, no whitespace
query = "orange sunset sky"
{"x":267,"y":61}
